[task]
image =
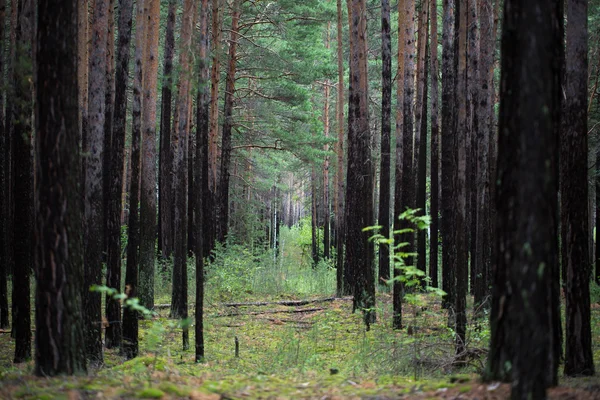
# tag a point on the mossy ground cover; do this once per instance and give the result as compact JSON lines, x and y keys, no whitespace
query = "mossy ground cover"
{"x":317,"y":350}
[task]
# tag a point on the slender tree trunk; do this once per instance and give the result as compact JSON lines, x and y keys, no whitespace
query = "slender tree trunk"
{"x":448,"y":136}
{"x":472,"y":122}
{"x":386,"y":129}
{"x":148,"y":170}
{"x":326,"y":129}
{"x":59,"y":242}
{"x":201,"y":172}
{"x":523,"y":346}
{"x":459,"y":200}
{"x":22,"y":126}
{"x":108,"y":125}
{"x":359,"y":196}
{"x":314,"y":226}
{"x":4,"y":203}
{"x":179,"y":303}
{"x":574,"y":194}
{"x":129,"y":346}
{"x":113,"y":278}
{"x":420,"y":140}
{"x":422,"y":170}
{"x":408,"y":198}
{"x":223,"y":187}
{"x":435,"y":147}
{"x":483,"y":129}
{"x":94,"y":193}
{"x":9,"y":152}
{"x":339,"y":187}
{"x":165,"y":190}
{"x":398,"y":289}
{"x":214,"y":92}
{"x":83,"y":47}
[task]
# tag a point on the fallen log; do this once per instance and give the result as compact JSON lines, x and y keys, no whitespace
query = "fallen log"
{"x":302,"y":310}
{"x":291,"y":303}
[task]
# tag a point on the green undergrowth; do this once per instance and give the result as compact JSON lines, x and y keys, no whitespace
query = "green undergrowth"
{"x":316,"y":350}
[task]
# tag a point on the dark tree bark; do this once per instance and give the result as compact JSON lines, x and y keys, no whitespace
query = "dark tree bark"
{"x":523,"y":347}
{"x":314,"y":228}
{"x":59,"y":339}
{"x":447,"y":154}
{"x":339,"y":176}
{"x":422,"y":172}
{"x":165,"y":190}
{"x":223,"y":187}
{"x":420,"y":149}
{"x":386,"y":130}
{"x":94,"y":194}
{"x":215,"y":77}
{"x":408,"y":188}
{"x":22,"y":127}
{"x":483,"y":129}
{"x":359,"y":195}
{"x":148,"y":170}
{"x":4,"y":203}
{"x":435,"y":147}
{"x":114,"y":210}
{"x":179,"y":303}
{"x":459,"y":199}
{"x":129,"y":345}
{"x":108,"y":124}
{"x":326,"y":130}
{"x":9,"y":149}
{"x":398,"y":289}
{"x":201,"y":172}
{"x":574,"y":195}
{"x":471,"y":151}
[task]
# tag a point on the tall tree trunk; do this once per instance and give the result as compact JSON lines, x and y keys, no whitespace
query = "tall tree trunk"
{"x":114,"y":210}
{"x":4,"y":203}
{"x":94,"y":193}
{"x":398,"y":288}
{"x":408,"y":199}
{"x":148,"y":170}
{"x":574,"y":194}
{"x":422,"y":171}
{"x":386,"y":129}
{"x":339,"y":176}
{"x":421,"y":132}
{"x":129,"y":346}
{"x":165,"y":190}
{"x":223,"y":187}
{"x":9,"y":151}
{"x":201,"y":173}
{"x":326,"y":129}
{"x":471,"y":151}
{"x":459,"y":201}
{"x":83,"y":55}
{"x":59,"y":240}
{"x":447,"y":154}
{"x":179,"y":302}
{"x":523,"y":318}
{"x":483,"y":129}
{"x":22,"y":126}
{"x":359,"y":196}
{"x":214,"y":92}
{"x":435,"y":146}
{"x":108,"y":124}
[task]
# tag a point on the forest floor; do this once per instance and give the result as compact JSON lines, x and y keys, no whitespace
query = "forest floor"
{"x":317,"y":350}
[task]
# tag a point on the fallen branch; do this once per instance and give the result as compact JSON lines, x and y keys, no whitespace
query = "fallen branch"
{"x":302,"y":310}
{"x":291,"y":303}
